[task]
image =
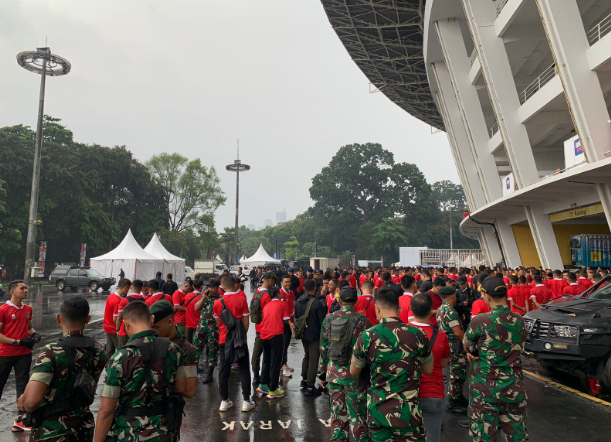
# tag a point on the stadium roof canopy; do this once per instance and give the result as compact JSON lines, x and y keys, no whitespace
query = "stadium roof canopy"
{"x":384,"y":38}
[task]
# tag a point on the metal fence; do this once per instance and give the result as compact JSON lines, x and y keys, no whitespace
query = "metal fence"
{"x":539,"y":82}
{"x":600,"y":30}
{"x":452,"y":257}
{"x":500,"y":6}
{"x":494,"y":129}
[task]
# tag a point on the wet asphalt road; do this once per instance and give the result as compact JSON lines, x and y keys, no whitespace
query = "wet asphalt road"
{"x":553,"y":414}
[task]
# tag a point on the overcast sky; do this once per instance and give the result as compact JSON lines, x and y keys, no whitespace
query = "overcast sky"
{"x":193,"y":76}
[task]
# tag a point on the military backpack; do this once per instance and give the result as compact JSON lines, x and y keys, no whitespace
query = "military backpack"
{"x":256,"y":312}
{"x":340,"y":338}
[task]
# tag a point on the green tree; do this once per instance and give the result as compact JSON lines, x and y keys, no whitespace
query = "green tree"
{"x":190,"y":189}
{"x":386,"y":238}
{"x":291,"y":248}
{"x":448,"y":196}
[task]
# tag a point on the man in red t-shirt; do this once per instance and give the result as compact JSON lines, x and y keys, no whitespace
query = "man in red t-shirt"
{"x":268,"y":281}
{"x":178,"y":299}
{"x":287,"y":296}
{"x":557,"y":284}
{"x":573,"y":289}
{"x":479,"y":306}
{"x":352,"y":278}
{"x":238,"y":307}
{"x":17,"y":338}
{"x":366,"y":276}
{"x":110,"y":317}
{"x":539,"y":294}
{"x":276,"y":319}
{"x":333,"y":293}
{"x":365,"y":304}
{"x":192,"y":316}
{"x":410,"y":287}
{"x":432,"y":391}
{"x":583,"y":280}
{"x":135,"y":295}
{"x":518,"y":299}
{"x":156,"y":295}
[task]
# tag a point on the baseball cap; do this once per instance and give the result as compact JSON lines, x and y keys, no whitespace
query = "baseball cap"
{"x":290,"y":269}
{"x":462,"y":280}
{"x":495,"y":287}
{"x":161,"y":310}
{"x":348,"y":294}
{"x":269,"y":275}
{"x":212,"y":283}
{"x":310,"y":269}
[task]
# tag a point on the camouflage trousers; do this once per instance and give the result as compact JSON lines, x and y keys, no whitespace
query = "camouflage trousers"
{"x":385,"y":434}
{"x":82,"y":435}
{"x":458,"y":370}
{"x":348,"y":411}
{"x":207,"y":339}
{"x":486,"y":419}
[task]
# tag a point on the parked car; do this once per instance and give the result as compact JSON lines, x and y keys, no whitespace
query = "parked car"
{"x":234,"y":269}
{"x":189,"y":273}
{"x":573,"y":334}
{"x":71,"y":276}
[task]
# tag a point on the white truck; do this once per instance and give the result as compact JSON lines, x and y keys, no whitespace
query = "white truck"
{"x":210,"y":268}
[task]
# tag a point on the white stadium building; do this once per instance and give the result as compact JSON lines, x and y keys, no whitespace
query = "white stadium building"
{"x":523,"y":90}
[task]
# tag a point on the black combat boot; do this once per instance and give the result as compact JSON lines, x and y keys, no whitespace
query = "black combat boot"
{"x":208,"y":375}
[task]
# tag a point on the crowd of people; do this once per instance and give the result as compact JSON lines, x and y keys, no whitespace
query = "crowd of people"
{"x":375,"y":341}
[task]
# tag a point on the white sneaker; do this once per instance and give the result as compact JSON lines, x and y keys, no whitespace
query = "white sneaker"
{"x":287,"y":373}
{"x":226,"y":405}
{"x":248,"y":405}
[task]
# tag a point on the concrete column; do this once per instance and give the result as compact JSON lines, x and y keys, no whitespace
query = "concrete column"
{"x":455,"y":128}
{"x":569,"y":43}
{"x":484,"y":246}
{"x":468,"y":106}
{"x":604,"y":192}
{"x":508,"y":242}
{"x":490,"y":245}
{"x":545,"y":240}
{"x":501,"y":89}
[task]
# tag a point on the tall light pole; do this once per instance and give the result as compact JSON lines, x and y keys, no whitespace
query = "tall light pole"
{"x":42,"y":62}
{"x":237,"y":167}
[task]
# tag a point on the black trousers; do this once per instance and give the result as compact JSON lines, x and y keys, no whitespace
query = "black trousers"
{"x":190,"y":334}
{"x":257,"y":351}
{"x":309,"y":365}
{"x":225,"y":371}
{"x":272,"y":361}
{"x":287,"y":341}
{"x":21,"y":364}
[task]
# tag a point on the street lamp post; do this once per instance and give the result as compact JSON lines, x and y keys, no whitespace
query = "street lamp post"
{"x":237,"y":167}
{"x":42,"y":62}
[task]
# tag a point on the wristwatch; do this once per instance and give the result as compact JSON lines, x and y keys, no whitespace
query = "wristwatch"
{"x":15,"y":342}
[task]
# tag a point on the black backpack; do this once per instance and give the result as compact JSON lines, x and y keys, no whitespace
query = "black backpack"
{"x":301,"y":323}
{"x":341,"y":330}
{"x":256,"y":312}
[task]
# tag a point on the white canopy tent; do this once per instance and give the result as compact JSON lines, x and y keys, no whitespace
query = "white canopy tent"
{"x":173,"y":264}
{"x":129,"y":256}
{"x":259,"y":258}
{"x":243,"y":259}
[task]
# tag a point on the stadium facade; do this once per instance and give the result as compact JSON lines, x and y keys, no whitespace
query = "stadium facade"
{"x":523,"y":90}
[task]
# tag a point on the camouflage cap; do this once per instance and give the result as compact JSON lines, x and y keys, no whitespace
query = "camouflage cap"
{"x":494,"y":287}
{"x":348,"y":294}
{"x":269,"y":275}
{"x":161,"y":310}
{"x":446,"y":291}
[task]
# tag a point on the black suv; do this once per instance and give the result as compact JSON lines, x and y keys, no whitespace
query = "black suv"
{"x":72,"y":276}
{"x":573,"y":334}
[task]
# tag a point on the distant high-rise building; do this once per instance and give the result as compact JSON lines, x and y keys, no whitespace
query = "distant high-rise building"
{"x":281,"y":217}
{"x":267,"y":222}
{"x":252,"y":227}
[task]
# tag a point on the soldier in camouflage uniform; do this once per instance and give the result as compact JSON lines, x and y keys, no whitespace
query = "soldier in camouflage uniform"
{"x":449,"y":322}
{"x":54,"y":375}
{"x":164,"y":326}
{"x":496,"y":341}
{"x":207,"y":334}
{"x":396,"y":353}
{"x":348,"y":406}
{"x":140,"y":386}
